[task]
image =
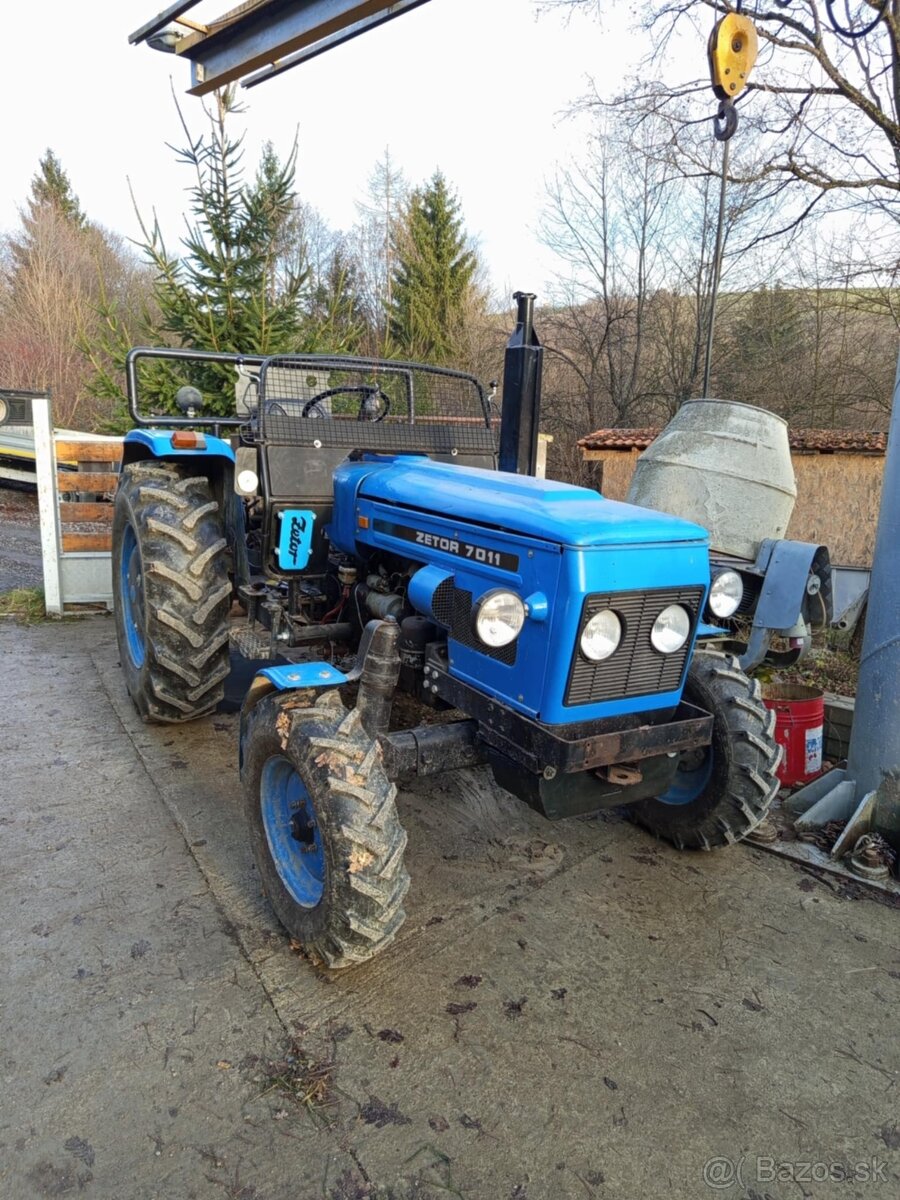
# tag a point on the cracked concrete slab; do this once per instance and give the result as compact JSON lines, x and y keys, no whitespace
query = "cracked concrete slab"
{"x":571,"y":1010}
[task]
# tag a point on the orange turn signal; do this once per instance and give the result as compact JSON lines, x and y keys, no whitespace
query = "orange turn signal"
{"x":186,"y":439}
{"x":363,"y":522}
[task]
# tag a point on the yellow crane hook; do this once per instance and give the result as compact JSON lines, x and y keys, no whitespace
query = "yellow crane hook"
{"x":733,"y":47}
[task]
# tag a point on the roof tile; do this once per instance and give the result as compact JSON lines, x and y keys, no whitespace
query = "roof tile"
{"x":825,"y":441}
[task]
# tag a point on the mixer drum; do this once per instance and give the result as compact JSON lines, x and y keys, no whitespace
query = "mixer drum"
{"x":724,"y":465}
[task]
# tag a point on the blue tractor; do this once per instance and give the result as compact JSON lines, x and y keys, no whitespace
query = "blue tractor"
{"x":353,"y":538}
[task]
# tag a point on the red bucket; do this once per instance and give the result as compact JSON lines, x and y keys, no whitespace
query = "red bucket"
{"x":799,"y":728}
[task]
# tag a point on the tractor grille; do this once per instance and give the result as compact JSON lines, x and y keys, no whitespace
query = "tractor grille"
{"x":452,"y":608}
{"x":636,"y":669}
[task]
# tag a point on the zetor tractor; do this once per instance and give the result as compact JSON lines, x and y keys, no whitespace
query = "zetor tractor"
{"x":357,"y":517}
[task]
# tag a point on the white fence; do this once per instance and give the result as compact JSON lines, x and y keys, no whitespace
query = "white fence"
{"x":76,"y":477}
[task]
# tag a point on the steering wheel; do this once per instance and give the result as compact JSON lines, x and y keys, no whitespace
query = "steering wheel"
{"x":371,"y":394}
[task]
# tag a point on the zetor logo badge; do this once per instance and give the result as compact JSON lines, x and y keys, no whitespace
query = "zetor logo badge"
{"x":295,"y":537}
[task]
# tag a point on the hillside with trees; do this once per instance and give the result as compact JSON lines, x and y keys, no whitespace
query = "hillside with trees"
{"x":807,"y":313}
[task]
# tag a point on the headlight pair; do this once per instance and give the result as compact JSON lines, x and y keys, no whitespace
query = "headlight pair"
{"x":602,"y":634}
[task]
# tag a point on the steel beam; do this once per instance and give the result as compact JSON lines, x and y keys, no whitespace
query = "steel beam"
{"x":328,"y":43}
{"x":261,"y":33}
{"x":161,"y":20}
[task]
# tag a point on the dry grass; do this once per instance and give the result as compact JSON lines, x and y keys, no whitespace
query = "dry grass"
{"x":25,"y":605}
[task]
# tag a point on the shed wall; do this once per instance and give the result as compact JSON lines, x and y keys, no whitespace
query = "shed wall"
{"x":837,"y":498}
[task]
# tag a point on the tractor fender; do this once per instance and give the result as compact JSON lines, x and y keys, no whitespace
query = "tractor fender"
{"x":306,"y":678}
{"x":786,"y":600}
{"x":786,"y":567}
{"x":157,"y":443}
{"x":214,"y":459}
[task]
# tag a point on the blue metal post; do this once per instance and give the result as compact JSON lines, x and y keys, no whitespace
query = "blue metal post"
{"x":868,"y":790}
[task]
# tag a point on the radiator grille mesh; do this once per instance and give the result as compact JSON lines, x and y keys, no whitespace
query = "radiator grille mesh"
{"x":635,"y":669}
{"x":452,"y":608}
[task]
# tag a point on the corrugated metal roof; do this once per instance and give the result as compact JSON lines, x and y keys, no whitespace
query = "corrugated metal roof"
{"x":823,"y":441}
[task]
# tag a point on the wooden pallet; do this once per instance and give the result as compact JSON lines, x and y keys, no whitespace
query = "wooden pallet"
{"x":86,"y":525}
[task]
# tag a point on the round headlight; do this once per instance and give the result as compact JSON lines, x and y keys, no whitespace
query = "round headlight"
{"x":670,"y":629}
{"x":4,"y":409}
{"x":726,"y":593}
{"x":247,"y":482}
{"x":601,"y":635}
{"x":499,"y":618}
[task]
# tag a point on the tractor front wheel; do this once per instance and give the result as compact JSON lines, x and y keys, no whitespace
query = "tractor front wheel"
{"x":721,"y":791}
{"x":324,"y":827}
{"x":171,"y":591}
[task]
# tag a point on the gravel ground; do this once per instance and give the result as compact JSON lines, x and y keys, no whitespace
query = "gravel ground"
{"x":20,"y":539}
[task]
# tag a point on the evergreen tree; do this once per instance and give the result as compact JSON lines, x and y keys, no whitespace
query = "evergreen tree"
{"x":223,"y":292}
{"x":51,"y":187}
{"x":50,"y":202}
{"x":433,"y":277}
{"x":337,"y":304}
{"x":239,"y":285}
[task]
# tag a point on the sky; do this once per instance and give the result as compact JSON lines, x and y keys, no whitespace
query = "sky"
{"x":479,"y":88}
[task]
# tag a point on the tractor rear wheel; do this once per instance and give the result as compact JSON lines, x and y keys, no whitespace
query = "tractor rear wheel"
{"x":323,"y":826}
{"x":721,"y":791}
{"x":171,"y":591}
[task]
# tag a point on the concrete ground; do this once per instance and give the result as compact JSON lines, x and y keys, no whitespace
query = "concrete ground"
{"x":20,"y":537}
{"x":571,"y":1010}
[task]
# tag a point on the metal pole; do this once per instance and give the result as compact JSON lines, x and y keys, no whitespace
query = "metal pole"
{"x":717,"y":269}
{"x":868,"y":790}
{"x":874,"y":754}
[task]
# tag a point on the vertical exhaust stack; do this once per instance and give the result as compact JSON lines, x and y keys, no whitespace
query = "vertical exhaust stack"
{"x":521,"y":412}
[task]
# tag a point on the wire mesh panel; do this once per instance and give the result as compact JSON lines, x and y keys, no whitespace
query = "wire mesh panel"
{"x":372,"y":404}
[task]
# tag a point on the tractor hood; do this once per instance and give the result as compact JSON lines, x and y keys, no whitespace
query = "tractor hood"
{"x":538,"y":508}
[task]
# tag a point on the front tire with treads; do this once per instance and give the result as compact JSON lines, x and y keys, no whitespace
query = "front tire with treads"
{"x":722,"y":791}
{"x":324,"y":828}
{"x":171,"y":590}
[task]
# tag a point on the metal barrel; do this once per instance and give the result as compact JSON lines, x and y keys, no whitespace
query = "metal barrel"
{"x":724,"y":465}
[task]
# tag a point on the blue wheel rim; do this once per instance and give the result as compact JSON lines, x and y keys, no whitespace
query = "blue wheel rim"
{"x":292,"y":831}
{"x":689,"y":784}
{"x":132,"y":596}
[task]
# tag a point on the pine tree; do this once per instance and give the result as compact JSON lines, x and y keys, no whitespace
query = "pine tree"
{"x":50,"y":202}
{"x":51,"y":187}
{"x":233,"y":288}
{"x":434,"y":275}
{"x":223,"y":293}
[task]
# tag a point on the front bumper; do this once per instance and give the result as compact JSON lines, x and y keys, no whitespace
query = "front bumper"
{"x":551,"y":750}
{"x":565,"y":770}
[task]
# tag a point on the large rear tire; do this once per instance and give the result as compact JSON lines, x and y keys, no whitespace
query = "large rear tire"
{"x":724,"y":790}
{"x":171,"y":591}
{"x":324,"y":828}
